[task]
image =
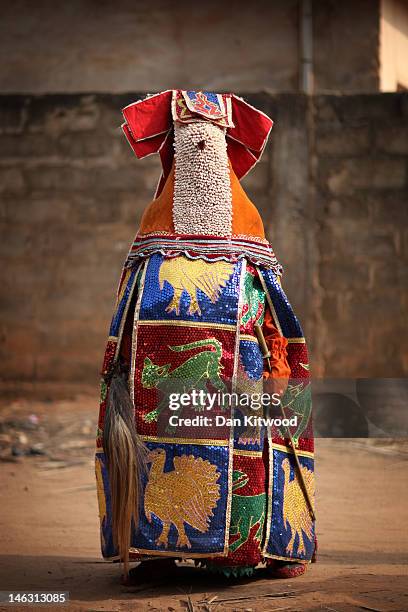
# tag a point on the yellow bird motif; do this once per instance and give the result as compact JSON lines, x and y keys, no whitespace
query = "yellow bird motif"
{"x":295,"y":509}
{"x":188,"y":494}
{"x":189,"y":275}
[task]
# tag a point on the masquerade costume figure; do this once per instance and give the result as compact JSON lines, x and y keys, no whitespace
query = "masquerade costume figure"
{"x":200,"y":308}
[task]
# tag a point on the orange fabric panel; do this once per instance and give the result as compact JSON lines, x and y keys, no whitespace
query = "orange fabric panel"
{"x":277,"y":345}
{"x":158,"y":216}
{"x":245,"y":216}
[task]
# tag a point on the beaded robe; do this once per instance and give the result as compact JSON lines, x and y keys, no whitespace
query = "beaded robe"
{"x":198,"y":278}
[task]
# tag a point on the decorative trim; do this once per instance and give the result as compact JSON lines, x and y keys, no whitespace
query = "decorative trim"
{"x":134,"y":334}
{"x":125,"y":312}
{"x":164,"y":553}
{"x":244,"y":453}
{"x":268,"y":517}
{"x":208,"y":247}
{"x":195,"y":441}
{"x":249,"y":238}
{"x":288,"y":559}
{"x":248,"y":338}
{"x":214,"y":442}
{"x":233,"y":387}
{"x":288,"y":449}
{"x":177,"y":323}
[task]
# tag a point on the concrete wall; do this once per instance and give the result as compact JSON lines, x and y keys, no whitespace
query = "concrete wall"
{"x":83,"y":45}
{"x":148,"y":45}
{"x":346,"y":39}
{"x":332,"y":188}
{"x":360,"y":227}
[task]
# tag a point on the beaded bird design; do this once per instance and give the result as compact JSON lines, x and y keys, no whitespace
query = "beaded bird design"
{"x":295,"y":510}
{"x":186,"y":495}
{"x":186,"y":275}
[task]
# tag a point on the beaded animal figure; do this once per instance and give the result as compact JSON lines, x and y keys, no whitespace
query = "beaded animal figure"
{"x":194,"y":373}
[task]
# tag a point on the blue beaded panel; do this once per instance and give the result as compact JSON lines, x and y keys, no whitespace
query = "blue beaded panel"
{"x":120,"y":309}
{"x":186,"y":509}
{"x":292,"y":532}
{"x":184,"y":499}
{"x":250,"y":358}
{"x":249,"y":382}
{"x":212,"y":97}
{"x":289,"y":323}
{"x":157,"y":296}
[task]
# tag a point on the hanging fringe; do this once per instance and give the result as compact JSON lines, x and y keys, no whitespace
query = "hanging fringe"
{"x":126,"y":462}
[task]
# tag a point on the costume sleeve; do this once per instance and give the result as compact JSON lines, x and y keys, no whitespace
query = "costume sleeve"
{"x":277,"y":346}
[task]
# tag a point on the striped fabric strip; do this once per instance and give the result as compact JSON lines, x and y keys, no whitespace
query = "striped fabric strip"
{"x":204,"y":247}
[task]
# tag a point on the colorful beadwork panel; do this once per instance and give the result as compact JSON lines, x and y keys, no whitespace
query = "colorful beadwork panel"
{"x":185,"y":499}
{"x":250,"y":359}
{"x":289,"y":323}
{"x":292,"y":531}
{"x":172,"y":360}
{"x":125,"y":292}
{"x":253,"y":301}
{"x":297,"y":401}
{"x":248,"y":435}
{"x":248,"y":511}
{"x":179,"y":288}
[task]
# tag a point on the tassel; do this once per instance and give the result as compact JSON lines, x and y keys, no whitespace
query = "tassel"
{"x":126,"y":461}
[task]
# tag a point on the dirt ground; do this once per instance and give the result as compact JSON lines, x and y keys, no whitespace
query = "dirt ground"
{"x":49,"y":523}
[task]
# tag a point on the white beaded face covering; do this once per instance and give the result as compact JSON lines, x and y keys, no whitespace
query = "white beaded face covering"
{"x":202,"y":189}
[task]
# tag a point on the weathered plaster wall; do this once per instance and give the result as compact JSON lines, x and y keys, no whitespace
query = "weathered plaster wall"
{"x":84,"y":45}
{"x":148,"y":45}
{"x":346,"y":41}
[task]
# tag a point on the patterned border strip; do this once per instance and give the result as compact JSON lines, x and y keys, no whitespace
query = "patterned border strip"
{"x":187,"y":555}
{"x":258,"y":252}
{"x":233,"y":389}
{"x":165,"y":553}
{"x":243,"y":237}
{"x":209,"y":324}
{"x":193,"y":441}
{"x":212,"y":442}
{"x":247,"y":453}
{"x":249,"y":338}
{"x":287,"y":449}
{"x":134,"y":333}
{"x":125,"y":311}
{"x":287,"y":559}
{"x":221,"y":245}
